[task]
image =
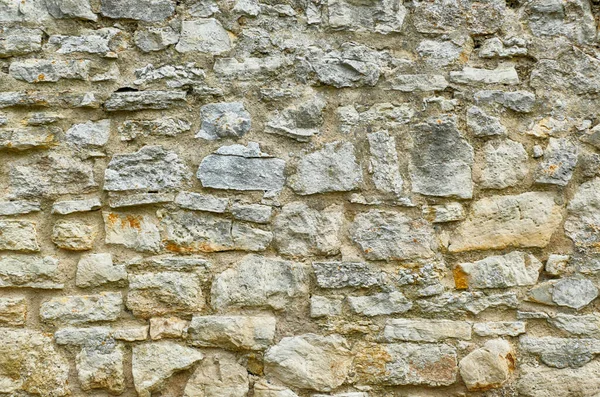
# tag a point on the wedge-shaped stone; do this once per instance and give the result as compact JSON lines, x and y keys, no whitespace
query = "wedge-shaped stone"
{"x":561,"y":352}
{"x":575,"y":292}
{"x":218,"y":375}
{"x":488,"y":367}
{"x":524,"y":220}
{"x":232,"y":332}
{"x":347,"y":274}
{"x":30,"y":272}
{"x":259,"y":281}
{"x":153,"y":363}
{"x":541,"y":381}
{"x":81,"y":309}
{"x":499,"y":271}
{"x":383,"y":235}
{"x":406,"y":364}
{"x":29,"y":363}
{"x":310,"y":361}
{"x":141,"y":10}
{"x":423,"y":330}
{"x":141,"y":100}
{"x":18,"y":236}
{"x":138,"y":232}
{"x":13,"y":311}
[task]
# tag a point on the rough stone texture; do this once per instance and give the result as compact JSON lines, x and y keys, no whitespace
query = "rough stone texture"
{"x":232,"y":332}
{"x":224,"y":120}
{"x":218,"y":375}
{"x":425,"y":330}
{"x":138,"y":232}
{"x":561,"y":352}
{"x":13,"y":311}
{"x":582,"y":220}
{"x":575,"y":292}
{"x":488,"y":367}
{"x":379,"y":304}
{"x":504,"y":164}
{"x":30,"y":271}
{"x":541,"y":381}
{"x":18,"y":236}
{"x":81,"y":309}
{"x":73,"y":236}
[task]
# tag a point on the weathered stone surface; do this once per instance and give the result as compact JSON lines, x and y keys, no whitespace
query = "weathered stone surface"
{"x":203,"y":35}
{"x":74,"y":235}
{"x":224,"y":120}
{"x":94,"y":270}
{"x":524,"y":220}
{"x":379,"y":16}
{"x":153,"y":363}
{"x":29,"y":138}
{"x":155,"y":38}
{"x":218,"y":375}
{"x":505,"y":164}
{"x":449,"y":212}
{"x":449,"y":304}
{"x":73,"y":206}
{"x":141,"y":10}
{"x":441,"y":159}
{"x":13,"y":311}
{"x":105,"y":41}
{"x":380,"y":304}
{"x":561,"y":352}
{"x":384,"y":163}
{"x":17,"y":41}
{"x":19,"y":207}
{"x":249,"y":68}
{"x":541,"y":381}
{"x":309,"y":361}
{"x":583,"y":218}
{"x":347,"y":274}
{"x":488,"y":367}
{"x":232,"y":332}
{"x":30,"y":271}
{"x":499,"y":271}
{"x":331,"y":169}
{"x":266,"y":389}
{"x":482,"y":124}
{"x":42,"y":70}
{"x":92,"y":134}
{"x":499,"y":328}
{"x":156,"y":100}
{"x":65,"y":99}
{"x":501,"y":75}
{"x":322,"y":306}
{"x":479,"y":17}
{"x":518,"y":101}
{"x":101,"y":367}
{"x":22,"y":353}
{"x":71,"y":9}
{"x":421,"y":330}
{"x":300,"y":230}
{"x":18,"y":236}
{"x":202,"y":202}
{"x":150,"y":168}
{"x":585,"y":325}
{"x":161,"y":293}
{"x":165,"y":127}
{"x":81,"y":309}
{"x":138,"y":232}
{"x":441,"y":53}
{"x":256,"y":213}
{"x":560,"y":158}
{"x":418,"y":82}
{"x":575,"y":292}
{"x":406,"y":364}
{"x":260,"y":282}
{"x":241,"y":169}
{"x":122,"y":200}
{"x":384,"y":235}
{"x":168,"y":327}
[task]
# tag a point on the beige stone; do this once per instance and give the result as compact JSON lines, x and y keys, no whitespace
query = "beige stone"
{"x":18,"y":236}
{"x":218,"y":375}
{"x":74,"y":235}
{"x":488,"y":367}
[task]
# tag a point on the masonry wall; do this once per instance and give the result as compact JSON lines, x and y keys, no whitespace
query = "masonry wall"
{"x":351,"y":198}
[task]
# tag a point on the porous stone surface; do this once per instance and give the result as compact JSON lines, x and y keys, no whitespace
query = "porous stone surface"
{"x":294,"y":198}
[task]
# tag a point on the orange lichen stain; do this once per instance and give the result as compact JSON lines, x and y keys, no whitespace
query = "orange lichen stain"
{"x":512,"y":363}
{"x":442,"y":369}
{"x":131,"y":221}
{"x":371,"y":362}
{"x":112,"y":218}
{"x":41,"y":77}
{"x":461,"y":279}
{"x":368,"y":250}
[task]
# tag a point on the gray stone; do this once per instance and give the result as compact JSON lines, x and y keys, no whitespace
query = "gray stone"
{"x":155,"y":38}
{"x":384,"y":162}
{"x":29,"y":138}
{"x":557,"y":265}
{"x":422,"y":330}
{"x":164,"y":127}
{"x":380,"y":304}
{"x":488,"y":367}
{"x":142,"y":100}
{"x":575,"y":292}
{"x":203,"y":35}
{"x":224,"y":120}
{"x":256,"y":213}
{"x":74,"y":235}
{"x":310,"y":361}
{"x":31,"y":364}
{"x":505,"y":48}
{"x":101,"y":367}
{"x":232,"y":332}
{"x":499,"y":328}
{"x":331,"y":169}
{"x":19,"y":207}
{"x":322,"y":306}
{"x":300,"y":230}
{"x":585,"y":325}
{"x":541,"y":381}
{"x":379,"y":16}
{"x":18,"y":236}
{"x":218,"y":375}
{"x":141,"y":10}
{"x":448,"y":212}
{"x":449,"y":304}
{"x":65,"y":99}
{"x":560,"y":158}
{"x":122,"y":200}
{"x":16,"y":41}
{"x":49,"y":71}
{"x":504,"y":164}
{"x":91,"y":134}
{"x":406,"y":364}
{"x":499,"y":271}
{"x":260,"y":282}
{"x":440,"y":53}
{"x":503,"y":74}
{"x":583,"y":218}
{"x":561,"y":352}
{"x":94,"y":270}
{"x":518,"y":101}
{"x":150,"y":168}
{"x":138,"y":232}
{"x":301,"y":121}
{"x":347,"y":274}
{"x":418,"y":82}
{"x":80,"y":9}
{"x":153,"y":363}
{"x":73,"y":206}
{"x":13,"y":311}
{"x":202,"y":202}
{"x":383,"y":235}
{"x":525,"y":220}
{"x":441,"y":159}
{"x":30,"y":272}
{"x":482,"y":125}
{"x":237,"y":170}
{"x":250,"y":68}
{"x":102,"y":41}
{"x":82,"y":309}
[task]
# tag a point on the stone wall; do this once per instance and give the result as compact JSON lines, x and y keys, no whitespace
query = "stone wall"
{"x":351,"y":198}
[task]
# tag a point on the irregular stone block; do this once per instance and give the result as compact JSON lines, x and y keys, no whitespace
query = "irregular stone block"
{"x":258,"y":281}
{"x":80,"y":9}
{"x":143,"y":100}
{"x":300,"y":122}
{"x":94,"y":270}
{"x":379,"y":16}
{"x":91,"y":134}
{"x":541,"y":381}
{"x":347,"y":274}
{"x":524,"y":220}
{"x":250,"y":68}
{"x":101,"y":367}
{"x":171,"y":327}
{"x":29,"y":138}
{"x":218,"y":375}
{"x":383,"y":235}
{"x":322,"y":306}
{"x":202,"y":202}
{"x":153,"y":363}
{"x":418,"y":82}
{"x":561,"y":352}
{"x":30,"y":271}
{"x":256,"y":213}
{"x":73,"y":206}
{"x":165,"y":127}
{"x":488,"y":367}
{"x":384,"y":163}
{"x":440,"y":53}
{"x":503,"y":74}
{"x":232,"y":332}
{"x":558,"y":164}
{"x":406,"y":364}
{"x":380,"y":304}
{"x":309,"y":361}
{"x":138,"y":232}
{"x":449,"y":212}
{"x":499,"y":271}
{"x":117,"y":200}
{"x":238,"y":168}
{"x":155,"y":38}
{"x":449,"y":304}
{"x":499,"y":328}
{"x":575,"y":292}
{"x":82,"y":309}
{"x":16,"y":41}
{"x":504,"y":164}
{"x":586,"y":325}
{"x":266,"y":389}
{"x":518,"y":101}
{"x":105,"y":42}
{"x":441,"y":159}
{"x":13,"y":311}
{"x":49,"y":71}
{"x":482,"y":124}
{"x":141,"y":10}
{"x":583,"y":218}
{"x":224,"y":120}
{"x":203,"y":35}
{"x":20,"y":207}
{"x":73,"y":236}
{"x":422,"y":330}
{"x":18,"y":236}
